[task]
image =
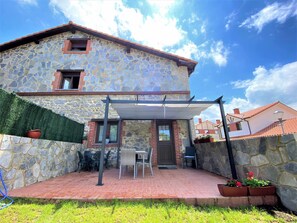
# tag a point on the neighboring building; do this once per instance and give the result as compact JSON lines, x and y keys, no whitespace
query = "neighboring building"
{"x":70,"y":69}
{"x":254,"y":122}
{"x":204,"y":128}
{"x":289,"y":126}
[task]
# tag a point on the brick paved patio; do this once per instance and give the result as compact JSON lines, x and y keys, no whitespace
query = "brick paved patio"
{"x":192,"y":186}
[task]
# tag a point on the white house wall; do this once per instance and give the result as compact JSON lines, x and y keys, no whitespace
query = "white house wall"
{"x":266,"y":118}
{"x":245,"y":131}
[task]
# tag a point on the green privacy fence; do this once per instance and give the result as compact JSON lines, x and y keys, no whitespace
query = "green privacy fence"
{"x":17,"y":116}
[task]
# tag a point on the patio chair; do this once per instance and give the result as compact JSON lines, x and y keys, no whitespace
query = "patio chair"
{"x":106,"y":159}
{"x":147,"y":161}
{"x":88,"y":160}
{"x":127,"y":159}
{"x":96,"y":160}
{"x":190,"y":154}
{"x":81,"y":162}
{"x":5,"y":200}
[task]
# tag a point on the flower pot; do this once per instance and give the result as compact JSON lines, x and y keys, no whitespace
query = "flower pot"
{"x":261,"y":191}
{"x":34,"y":133}
{"x":232,"y":191}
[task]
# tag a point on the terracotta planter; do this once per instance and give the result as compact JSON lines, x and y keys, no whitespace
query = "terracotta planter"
{"x":232,"y":191}
{"x":34,"y":133}
{"x":262,"y":191}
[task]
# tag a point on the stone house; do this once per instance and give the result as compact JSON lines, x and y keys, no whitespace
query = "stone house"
{"x":70,"y":69}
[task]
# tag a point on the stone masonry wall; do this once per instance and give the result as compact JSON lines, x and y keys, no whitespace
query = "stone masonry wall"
{"x":24,"y":161}
{"x":271,"y":158}
{"x":108,"y":67}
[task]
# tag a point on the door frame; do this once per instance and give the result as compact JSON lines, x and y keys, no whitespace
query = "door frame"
{"x":172,"y":139}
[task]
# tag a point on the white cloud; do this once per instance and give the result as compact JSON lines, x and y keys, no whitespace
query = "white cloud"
{"x":194,"y":18}
{"x":195,"y":32}
{"x":162,"y":6}
{"x":241,"y":84}
{"x":158,"y":30}
{"x":28,"y":2}
{"x":219,"y":53}
{"x":267,"y":86}
{"x":203,"y":28}
{"x":188,"y":50}
{"x":114,"y":17}
{"x":276,"y":84}
{"x":276,"y":11}
{"x":230,"y":18}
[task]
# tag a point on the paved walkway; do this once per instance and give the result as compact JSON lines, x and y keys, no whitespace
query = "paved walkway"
{"x":189,"y":185}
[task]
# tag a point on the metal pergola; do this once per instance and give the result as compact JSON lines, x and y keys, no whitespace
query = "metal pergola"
{"x":154,"y":109}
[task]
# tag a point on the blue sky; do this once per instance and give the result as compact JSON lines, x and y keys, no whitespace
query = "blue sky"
{"x":246,"y":49}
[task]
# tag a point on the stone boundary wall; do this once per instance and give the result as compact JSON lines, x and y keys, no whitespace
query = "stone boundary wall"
{"x":271,"y":158}
{"x":24,"y":161}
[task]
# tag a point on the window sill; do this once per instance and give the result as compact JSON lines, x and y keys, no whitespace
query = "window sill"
{"x":76,"y":52}
{"x":107,"y":145}
{"x":68,"y":90}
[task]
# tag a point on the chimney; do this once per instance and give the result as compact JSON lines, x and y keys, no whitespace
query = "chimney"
{"x":218,"y":121}
{"x":200,"y":120}
{"x":236,"y":111}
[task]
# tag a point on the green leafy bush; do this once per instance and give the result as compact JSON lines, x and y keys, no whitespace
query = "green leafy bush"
{"x":254,"y":182}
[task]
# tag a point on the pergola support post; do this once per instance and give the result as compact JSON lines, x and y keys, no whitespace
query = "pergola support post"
{"x":100,"y":175}
{"x":190,"y":133}
{"x":228,"y":142}
{"x":119,"y":142}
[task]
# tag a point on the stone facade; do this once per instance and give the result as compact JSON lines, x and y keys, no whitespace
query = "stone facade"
{"x":105,"y":67}
{"x":108,"y":67}
{"x":24,"y":161}
{"x":271,"y":158}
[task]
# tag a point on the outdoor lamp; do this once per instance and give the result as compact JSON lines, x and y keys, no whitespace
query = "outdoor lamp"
{"x":279,"y":115}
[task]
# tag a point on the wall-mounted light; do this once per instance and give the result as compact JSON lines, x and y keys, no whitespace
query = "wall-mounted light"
{"x":279,"y":115}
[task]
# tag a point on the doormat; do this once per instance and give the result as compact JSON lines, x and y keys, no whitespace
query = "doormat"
{"x":167,"y":167}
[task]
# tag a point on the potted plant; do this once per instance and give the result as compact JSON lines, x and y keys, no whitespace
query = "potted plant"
{"x":233,"y":188}
{"x":258,"y":187}
{"x":34,"y":133}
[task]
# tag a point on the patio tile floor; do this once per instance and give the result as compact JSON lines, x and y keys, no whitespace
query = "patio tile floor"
{"x":189,"y":185}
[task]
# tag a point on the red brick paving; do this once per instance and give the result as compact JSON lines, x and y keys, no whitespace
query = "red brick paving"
{"x":189,"y":185}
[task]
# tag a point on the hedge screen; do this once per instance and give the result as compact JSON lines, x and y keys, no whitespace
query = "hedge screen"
{"x":17,"y":116}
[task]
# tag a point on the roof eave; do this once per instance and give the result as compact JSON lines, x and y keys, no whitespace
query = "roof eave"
{"x":72,"y":27}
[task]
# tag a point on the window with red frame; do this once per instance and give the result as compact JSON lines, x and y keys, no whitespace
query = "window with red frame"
{"x":111,"y":131}
{"x":70,"y":80}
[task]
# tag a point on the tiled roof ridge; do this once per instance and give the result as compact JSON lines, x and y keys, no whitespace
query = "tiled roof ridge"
{"x":259,"y":109}
{"x":255,"y":111}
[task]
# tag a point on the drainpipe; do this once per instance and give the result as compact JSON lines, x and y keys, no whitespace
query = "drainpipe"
{"x":228,"y":142}
{"x":100,"y":175}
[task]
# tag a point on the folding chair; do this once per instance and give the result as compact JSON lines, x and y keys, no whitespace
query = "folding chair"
{"x":5,"y":200}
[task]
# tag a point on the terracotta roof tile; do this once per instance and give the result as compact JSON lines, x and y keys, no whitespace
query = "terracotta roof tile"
{"x":290,"y":126}
{"x":253,"y":112}
{"x":256,"y":111}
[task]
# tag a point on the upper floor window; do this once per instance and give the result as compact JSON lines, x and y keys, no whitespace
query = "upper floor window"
{"x":77,"y":46}
{"x":70,"y":80}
